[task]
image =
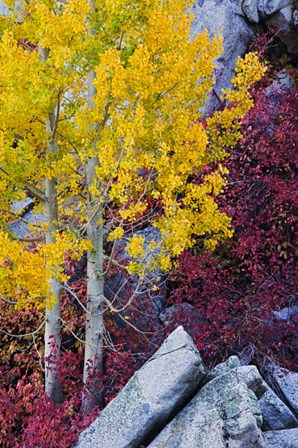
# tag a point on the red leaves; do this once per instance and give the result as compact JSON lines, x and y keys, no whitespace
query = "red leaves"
{"x":238,"y":287}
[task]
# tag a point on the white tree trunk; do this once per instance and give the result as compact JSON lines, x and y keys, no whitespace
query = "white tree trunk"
{"x":93,"y":362}
{"x":52,"y":325}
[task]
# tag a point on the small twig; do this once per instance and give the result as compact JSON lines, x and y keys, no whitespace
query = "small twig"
{"x":37,"y":351}
{"x":57,"y":115}
{"x":29,"y":240}
{"x":69,"y":329}
{"x":120,"y":310}
{"x":144,"y":333}
{"x":18,"y":217}
{"x":162,"y":94}
{"x":67,"y":287}
{"x":10,"y":302}
{"x":25,"y":334}
{"x":120,"y":40}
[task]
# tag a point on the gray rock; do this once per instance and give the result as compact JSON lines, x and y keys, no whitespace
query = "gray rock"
{"x":276,"y":415}
{"x":224,"y":413}
{"x":159,"y":389}
{"x":250,"y":9}
{"x":282,"y":439}
{"x":248,"y":375}
{"x":269,"y":7}
{"x":274,"y":92}
{"x":185,"y":309}
{"x":3,"y":8}
{"x":288,"y":384}
{"x":20,"y":207}
{"x":25,"y":209}
{"x":295,"y":18}
{"x":21,"y":228}
{"x":221,"y":369}
{"x":260,"y":9}
{"x":225,"y":16}
{"x":284,"y":21}
{"x":286,"y":313}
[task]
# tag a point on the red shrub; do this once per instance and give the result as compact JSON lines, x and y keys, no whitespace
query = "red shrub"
{"x":237,"y":288}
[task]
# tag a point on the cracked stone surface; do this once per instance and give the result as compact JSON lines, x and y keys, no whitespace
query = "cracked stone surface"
{"x":224,"y":413}
{"x":162,"y":386}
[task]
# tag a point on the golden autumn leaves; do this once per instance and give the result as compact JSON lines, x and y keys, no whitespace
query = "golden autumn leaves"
{"x":143,"y":127}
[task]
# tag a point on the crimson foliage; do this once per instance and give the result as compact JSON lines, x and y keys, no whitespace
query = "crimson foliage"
{"x":236,"y":289}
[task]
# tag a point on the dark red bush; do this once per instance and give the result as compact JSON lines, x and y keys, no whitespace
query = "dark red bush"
{"x":237,"y":288}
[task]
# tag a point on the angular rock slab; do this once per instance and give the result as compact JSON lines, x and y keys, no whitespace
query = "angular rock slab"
{"x":282,"y":439}
{"x":159,"y":389}
{"x":286,"y":20}
{"x":225,"y":17}
{"x":288,"y":384}
{"x":276,"y":415}
{"x":269,"y":7}
{"x":250,"y":9}
{"x":224,"y":413}
{"x":248,"y":375}
{"x":224,"y":367}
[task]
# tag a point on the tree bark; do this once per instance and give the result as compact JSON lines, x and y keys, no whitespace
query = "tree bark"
{"x":52,"y":324}
{"x":93,"y":362}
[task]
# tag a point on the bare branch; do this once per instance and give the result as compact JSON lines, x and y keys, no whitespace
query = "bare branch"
{"x":29,"y":240}
{"x":40,"y":358}
{"x":120,"y":40}
{"x":57,"y":114}
{"x":144,"y":333}
{"x":10,"y":302}
{"x":24,"y":334}
{"x":120,"y":310}
{"x":18,"y":217}
{"x":70,"y":330}
{"x":111,"y":260}
{"x":35,"y":191}
{"x":68,"y":289}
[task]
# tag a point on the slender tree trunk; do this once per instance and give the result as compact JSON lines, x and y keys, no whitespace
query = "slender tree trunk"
{"x":52,"y":325}
{"x":93,"y":362}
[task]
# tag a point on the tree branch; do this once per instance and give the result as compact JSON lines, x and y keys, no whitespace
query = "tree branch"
{"x":18,"y":217}
{"x":29,"y":240}
{"x":24,"y":334}
{"x":35,"y":191}
{"x":10,"y":302}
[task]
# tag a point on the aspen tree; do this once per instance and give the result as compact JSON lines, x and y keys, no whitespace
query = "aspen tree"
{"x":107,"y":123}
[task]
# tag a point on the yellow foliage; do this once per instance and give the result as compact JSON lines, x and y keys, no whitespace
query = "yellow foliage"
{"x":135,"y":246}
{"x":144,"y":129}
{"x":118,"y":232}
